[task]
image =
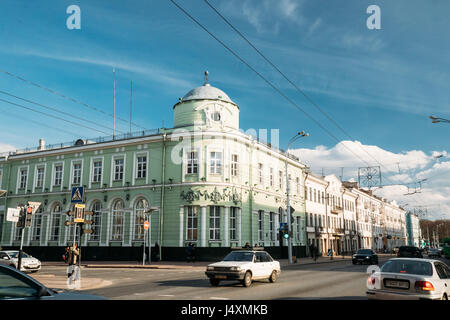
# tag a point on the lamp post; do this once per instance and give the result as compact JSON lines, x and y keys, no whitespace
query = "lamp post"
{"x":288,"y":206}
{"x":438,"y":120}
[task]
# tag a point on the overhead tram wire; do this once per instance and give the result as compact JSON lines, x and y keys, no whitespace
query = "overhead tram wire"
{"x":56,"y":110}
{"x":291,"y":82}
{"x":53,"y":116}
{"x":68,"y":98}
{"x":265,"y":80}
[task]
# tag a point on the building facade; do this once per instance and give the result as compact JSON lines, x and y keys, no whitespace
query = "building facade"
{"x":213,"y":186}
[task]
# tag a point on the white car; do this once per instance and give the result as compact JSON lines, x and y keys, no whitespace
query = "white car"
{"x":244,"y":266}
{"x":11,"y":258}
{"x":410,"y":279}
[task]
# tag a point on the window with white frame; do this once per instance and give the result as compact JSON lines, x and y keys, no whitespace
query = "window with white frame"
{"x":192,"y":223}
{"x":271,"y":176}
{"x":36,"y":225}
{"x":96,"y":225}
{"x":97,"y":171}
{"x":261,"y":225}
{"x":280,"y":181}
{"x":192,"y":162}
{"x":234,"y":165}
{"x":297,"y":182}
{"x":141,"y":171}
{"x":233,"y":223}
{"x":215,"y":162}
{"x":272,"y":226}
{"x":118,"y":169}
{"x":56,"y":222}
{"x":40,"y":177}
{"x":140,"y":207}
{"x":23,"y":175}
{"x":76,"y":173}
{"x":117,"y":220}
{"x":214,"y":223}
{"x":58,"y":175}
{"x":261,"y":173}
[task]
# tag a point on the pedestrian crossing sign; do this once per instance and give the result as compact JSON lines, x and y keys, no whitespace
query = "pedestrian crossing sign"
{"x":77,"y":195}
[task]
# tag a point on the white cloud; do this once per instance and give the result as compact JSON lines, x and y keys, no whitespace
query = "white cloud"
{"x":406,"y":168}
{"x":6,"y":148}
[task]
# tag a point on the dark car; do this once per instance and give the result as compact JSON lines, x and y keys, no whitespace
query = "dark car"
{"x":409,"y":252}
{"x":434,"y":253}
{"x":16,"y":285}
{"x":365,"y":256}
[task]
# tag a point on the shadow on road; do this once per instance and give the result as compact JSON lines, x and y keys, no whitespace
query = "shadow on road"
{"x":324,"y":298}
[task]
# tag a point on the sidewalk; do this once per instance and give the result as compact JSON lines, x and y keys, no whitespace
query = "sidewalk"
{"x":198,"y":265}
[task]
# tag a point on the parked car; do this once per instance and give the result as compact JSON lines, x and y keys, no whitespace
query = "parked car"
{"x":16,"y":285}
{"x":409,"y":252}
{"x":411,"y":279}
{"x":433,"y":252}
{"x":365,"y":256}
{"x":244,"y":266}
{"x":11,"y":258}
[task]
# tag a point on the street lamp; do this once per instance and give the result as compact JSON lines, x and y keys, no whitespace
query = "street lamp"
{"x":288,"y":206}
{"x":147,"y":214}
{"x":437,"y":120}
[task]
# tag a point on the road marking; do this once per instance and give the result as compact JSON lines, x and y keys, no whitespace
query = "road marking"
{"x":166,"y":295}
{"x":218,"y":298}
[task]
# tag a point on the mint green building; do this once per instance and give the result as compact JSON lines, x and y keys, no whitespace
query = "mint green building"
{"x":211,"y":184}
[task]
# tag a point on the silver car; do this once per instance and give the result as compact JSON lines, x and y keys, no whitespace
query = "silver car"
{"x":411,"y":279}
{"x":11,"y":258}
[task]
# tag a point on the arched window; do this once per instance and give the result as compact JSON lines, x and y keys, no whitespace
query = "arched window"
{"x":139,"y":210}
{"x":96,"y":225}
{"x":117,"y":220}
{"x":56,"y":222}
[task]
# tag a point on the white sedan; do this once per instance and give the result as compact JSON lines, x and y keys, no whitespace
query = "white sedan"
{"x":410,"y":279}
{"x":244,"y":266}
{"x":11,"y":258}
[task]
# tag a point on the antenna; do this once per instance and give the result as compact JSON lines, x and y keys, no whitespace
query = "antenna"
{"x":206,"y":77}
{"x":114,"y":125}
{"x":131,"y":101}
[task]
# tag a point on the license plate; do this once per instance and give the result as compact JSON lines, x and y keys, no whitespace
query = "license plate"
{"x":397,"y":284}
{"x":219,"y":276}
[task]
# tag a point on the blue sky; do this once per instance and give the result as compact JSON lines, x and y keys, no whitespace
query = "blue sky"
{"x":379,"y":85}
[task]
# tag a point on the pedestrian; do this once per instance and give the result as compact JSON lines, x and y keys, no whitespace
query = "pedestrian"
{"x":188,"y":252}
{"x":311,"y":250}
{"x":74,"y":253}
{"x":247,"y":245}
{"x":193,"y":253}
{"x":156,"y":251}
{"x":316,"y":253}
{"x":66,"y":255}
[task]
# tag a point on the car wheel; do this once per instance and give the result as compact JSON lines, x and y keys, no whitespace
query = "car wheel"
{"x":247,"y":279}
{"x":354,"y":262}
{"x":444,"y":297}
{"x":214,"y":282}
{"x":273,"y":277}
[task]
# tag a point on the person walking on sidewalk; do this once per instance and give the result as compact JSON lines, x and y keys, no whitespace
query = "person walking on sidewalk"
{"x":189,"y":252}
{"x":73,"y":255}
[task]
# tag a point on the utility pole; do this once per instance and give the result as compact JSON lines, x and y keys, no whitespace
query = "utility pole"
{"x":114,"y":125}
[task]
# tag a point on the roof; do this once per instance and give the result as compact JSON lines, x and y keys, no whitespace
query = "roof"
{"x":206,"y":92}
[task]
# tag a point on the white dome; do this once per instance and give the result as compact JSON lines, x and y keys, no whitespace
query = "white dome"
{"x":206,"y":92}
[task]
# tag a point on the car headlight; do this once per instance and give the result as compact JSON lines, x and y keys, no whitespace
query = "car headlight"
{"x":367,"y":257}
{"x":209,"y":268}
{"x":235,"y":268}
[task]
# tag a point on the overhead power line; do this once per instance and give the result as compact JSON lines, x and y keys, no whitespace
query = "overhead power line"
{"x":67,"y":97}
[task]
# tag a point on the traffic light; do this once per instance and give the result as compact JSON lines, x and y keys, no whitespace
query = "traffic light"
{"x":28,"y":217}
{"x":292,"y":217}
{"x":21,"y":222}
{"x":285,"y":231}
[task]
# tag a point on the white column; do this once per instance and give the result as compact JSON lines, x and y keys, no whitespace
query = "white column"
{"x":226,"y":227}
{"x":239,"y":226}
{"x":181,"y":225}
{"x":203,"y":227}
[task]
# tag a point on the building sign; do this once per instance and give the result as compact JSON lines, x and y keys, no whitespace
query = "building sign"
{"x":79,"y":212}
{"x":13,"y":214}
{"x":214,"y":196}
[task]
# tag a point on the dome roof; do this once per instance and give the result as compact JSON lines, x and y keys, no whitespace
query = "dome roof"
{"x":207,"y":92}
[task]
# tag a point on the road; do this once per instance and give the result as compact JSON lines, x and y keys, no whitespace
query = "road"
{"x":336,"y":280}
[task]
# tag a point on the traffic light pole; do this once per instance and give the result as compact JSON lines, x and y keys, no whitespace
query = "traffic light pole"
{"x":288,"y":215}
{"x":19,"y":262}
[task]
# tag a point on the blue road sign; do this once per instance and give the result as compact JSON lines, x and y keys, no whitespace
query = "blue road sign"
{"x":77,"y":195}
{"x":282,"y":225}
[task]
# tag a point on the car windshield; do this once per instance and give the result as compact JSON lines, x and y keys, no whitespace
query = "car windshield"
{"x":434,"y":250}
{"x":408,"y":267}
{"x":366,"y":251}
{"x":239,"y":256}
{"x":15,"y":254}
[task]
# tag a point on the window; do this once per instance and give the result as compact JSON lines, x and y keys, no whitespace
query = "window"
{"x":214,"y":223}
{"x":297,"y":182}
{"x":97,"y":174}
{"x":234,"y":165}
{"x":271,"y":177}
{"x":192,"y":162}
{"x":37,"y":224}
{"x":76,"y":173}
{"x":56,"y":223}
{"x":117,"y":220}
{"x":272,"y":226}
{"x":216,"y":116}
{"x":298,"y":228}
{"x":192,"y":223}
{"x":15,"y":286}
{"x":233,"y":223}
{"x":315,"y":195}
{"x":96,"y":221}
{"x":280,"y":181}
{"x":40,"y":177}
{"x":58,"y":175}
{"x":260,"y":173}
{"x":141,"y":167}
{"x":118,"y":169}
{"x":141,"y":206}
{"x":23,"y":178}
{"x":215,"y":162}
{"x":261,"y":225}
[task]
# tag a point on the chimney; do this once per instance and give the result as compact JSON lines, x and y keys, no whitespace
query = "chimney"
{"x":41,"y":144}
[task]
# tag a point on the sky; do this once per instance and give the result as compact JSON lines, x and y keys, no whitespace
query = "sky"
{"x":379,"y":86}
